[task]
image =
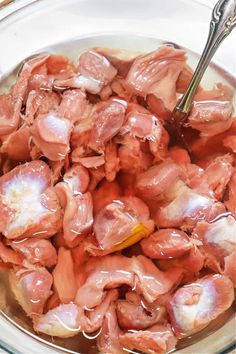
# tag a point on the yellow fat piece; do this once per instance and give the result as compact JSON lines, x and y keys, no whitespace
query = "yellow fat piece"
{"x":137,"y":233}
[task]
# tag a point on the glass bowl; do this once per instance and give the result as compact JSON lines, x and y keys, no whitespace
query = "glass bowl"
{"x":29,"y":26}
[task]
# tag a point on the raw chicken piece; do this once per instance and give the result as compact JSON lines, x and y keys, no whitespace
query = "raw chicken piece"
{"x":195,"y":179}
{"x":195,"y":305}
{"x":108,"y":340}
{"x":59,"y":66}
{"x":205,"y":148}
{"x":64,"y":276}
{"x":81,"y":134}
{"x":96,"y":176}
{"x":73,"y":105}
{"x":229,"y":140}
{"x":167,"y":243}
{"x":9,"y":114}
{"x":10,"y":104}
{"x":92,"y":319}
{"x":133,"y":314}
{"x":121,"y":88}
{"x":143,"y":125}
{"x":105,"y":194}
{"x":68,"y":319}
{"x":61,"y":321}
{"x":114,"y":271}
{"x":184,"y":79}
{"x":120,"y":220}
{"x":158,"y":339}
{"x":51,"y":134}
{"x":103,"y":272}
{"x":112,"y":161}
{"x":131,"y":155}
{"x":230,"y":199}
{"x":152,"y":283}
{"x":157,"y":179}
{"x":8,"y":255}
{"x":40,"y":103}
{"x":36,"y":251}
{"x":120,"y":59}
{"x":95,"y":72}
{"x":157,"y":73}
{"x":157,"y":107}
{"x":77,"y":177}
{"x":28,"y":204}
{"x":220,"y":92}
{"x":17,"y":145}
{"x":189,"y":264}
{"x":41,"y":82}
{"x":90,"y":161}
{"x":229,"y":268}
{"x":78,"y":213}
{"x":187,"y":208}
{"x":219,"y":241}
{"x":107,"y":118}
{"x":31,"y":288}
{"x":211,"y":117}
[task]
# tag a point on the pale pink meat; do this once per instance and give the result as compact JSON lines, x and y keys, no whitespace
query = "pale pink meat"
{"x":51,"y":134}
{"x":78,"y":213}
{"x":36,"y":251}
{"x":211,"y":117}
{"x":10,"y":104}
{"x":120,"y":59}
{"x":17,"y":145}
{"x":31,"y":288}
{"x":108,"y":340}
{"x":90,"y":161}
{"x":134,"y":314}
{"x":220,"y":92}
{"x":107,"y":118}
{"x":113,"y":271}
{"x":156,"y":180}
{"x":146,"y":126}
{"x":195,"y":305}
{"x":64,"y":276}
{"x":132,"y":158}
{"x":61,"y":321}
{"x":91,"y":321}
{"x":187,"y":208}
{"x":95,"y":72}
{"x":157,"y":73}
{"x":73,"y":105}
{"x":229,"y":268}
{"x":158,"y":339}
{"x":116,"y":221}
{"x":40,"y":102}
{"x":28,"y":203}
{"x":230,"y":198}
{"x":190,"y":264}
{"x":218,"y":241}
{"x":8,"y":255}
{"x":77,"y":177}
{"x":166,"y":243}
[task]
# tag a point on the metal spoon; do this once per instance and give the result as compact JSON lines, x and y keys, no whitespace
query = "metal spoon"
{"x":222,"y":22}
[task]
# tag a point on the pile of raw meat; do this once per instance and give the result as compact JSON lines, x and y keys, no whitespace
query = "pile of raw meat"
{"x":106,"y":225}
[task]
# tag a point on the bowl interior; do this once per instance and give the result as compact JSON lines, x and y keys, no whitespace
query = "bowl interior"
{"x":79,"y":344}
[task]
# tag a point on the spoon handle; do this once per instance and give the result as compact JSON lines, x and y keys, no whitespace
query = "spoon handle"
{"x":222,"y":22}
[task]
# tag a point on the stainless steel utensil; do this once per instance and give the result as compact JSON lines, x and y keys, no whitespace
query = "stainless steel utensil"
{"x":222,"y":22}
